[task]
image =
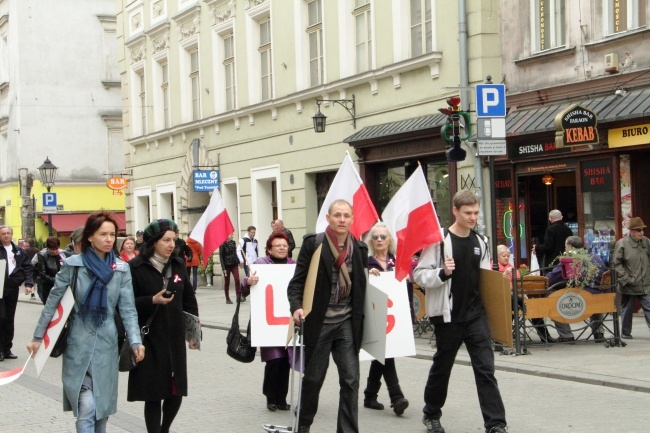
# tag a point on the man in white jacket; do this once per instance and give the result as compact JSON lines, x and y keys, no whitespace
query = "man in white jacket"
{"x":449,"y":272}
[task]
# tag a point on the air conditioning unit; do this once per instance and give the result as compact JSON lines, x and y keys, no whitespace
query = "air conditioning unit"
{"x":611,"y":63}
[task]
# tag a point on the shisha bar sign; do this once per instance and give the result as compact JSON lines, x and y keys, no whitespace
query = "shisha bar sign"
{"x":576,"y":126}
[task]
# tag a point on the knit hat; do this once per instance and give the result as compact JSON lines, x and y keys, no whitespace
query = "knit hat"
{"x":158,"y":227}
{"x":77,"y":234}
{"x":636,"y":223}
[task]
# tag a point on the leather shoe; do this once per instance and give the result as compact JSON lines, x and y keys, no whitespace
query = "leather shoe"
{"x":271,"y":406}
{"x":283,"y":406}
{"x":627,"y":336}
{"x":565,"y":339}
{"x":599,"y":337}
{"x":8,"y":355}
{"x":2,"y":357}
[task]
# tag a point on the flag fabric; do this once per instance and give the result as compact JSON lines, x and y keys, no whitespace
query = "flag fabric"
{"x":347,"y":185}
{"x":412,"y":220}
{"x":11,"y":375}
{"x":213,"y":227}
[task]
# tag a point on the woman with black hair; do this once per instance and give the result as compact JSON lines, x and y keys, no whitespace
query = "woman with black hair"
{"x":162,"y":292}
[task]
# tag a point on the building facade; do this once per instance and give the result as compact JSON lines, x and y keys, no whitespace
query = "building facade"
{"x":233,"y":85}
{"x":59,"y":99}
{"x":561,"y":58}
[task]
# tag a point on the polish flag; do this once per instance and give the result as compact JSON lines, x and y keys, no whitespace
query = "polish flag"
{"x":213,"y":227}
{"x":9,"y":376}
{"x":411,"y":218}
{"x":347,"y":185}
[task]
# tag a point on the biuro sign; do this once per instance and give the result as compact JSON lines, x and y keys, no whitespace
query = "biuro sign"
{"x":576,"y":126}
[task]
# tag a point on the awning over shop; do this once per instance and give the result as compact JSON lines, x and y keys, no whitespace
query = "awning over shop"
{"x":609,"y":108}
{"x":65,"y":224}
{"x":408,"y":126}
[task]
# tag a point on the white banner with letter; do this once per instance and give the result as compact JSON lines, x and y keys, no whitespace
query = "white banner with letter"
{"x":53,"y":330}
{"x":270,"y":311}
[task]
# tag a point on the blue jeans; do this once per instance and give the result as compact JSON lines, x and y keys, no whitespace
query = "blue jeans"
{"x":193,"y":271}
{"x":335,"y":339}
{"x":476,"y":336}
{"x":86,"y":422}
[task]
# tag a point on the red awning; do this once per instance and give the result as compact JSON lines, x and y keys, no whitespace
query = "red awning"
{"x":65,"y":224}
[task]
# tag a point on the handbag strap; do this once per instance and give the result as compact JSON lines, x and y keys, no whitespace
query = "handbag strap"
{"x":145,"y":329}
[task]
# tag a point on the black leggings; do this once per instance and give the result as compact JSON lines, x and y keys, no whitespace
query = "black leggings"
{"x":152,"y":414}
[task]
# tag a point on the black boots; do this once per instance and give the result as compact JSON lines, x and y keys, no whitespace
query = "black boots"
{"x":370,"y":393}
{"x":397,"y":400}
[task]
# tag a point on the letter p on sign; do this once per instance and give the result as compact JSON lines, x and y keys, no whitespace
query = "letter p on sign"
{"x":490,"y":100}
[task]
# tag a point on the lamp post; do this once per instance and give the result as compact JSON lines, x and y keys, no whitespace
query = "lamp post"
{"x":320,"y":120}
{"x":48,"y":174}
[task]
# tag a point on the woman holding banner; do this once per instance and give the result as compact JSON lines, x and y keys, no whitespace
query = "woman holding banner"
{"x":100,"y":282}
{"x":381,"y":258}
{"x":276,"y":372}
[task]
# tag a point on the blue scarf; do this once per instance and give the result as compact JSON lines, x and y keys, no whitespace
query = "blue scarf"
{"x":95,"y":304}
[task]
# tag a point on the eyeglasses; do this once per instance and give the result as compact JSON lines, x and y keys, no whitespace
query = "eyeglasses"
{"x":375,"y":237}
{"x":280,"y":246}
{"x":637,"y":230}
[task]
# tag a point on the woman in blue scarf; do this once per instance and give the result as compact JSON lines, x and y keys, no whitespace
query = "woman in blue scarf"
{"x":90,"y":362}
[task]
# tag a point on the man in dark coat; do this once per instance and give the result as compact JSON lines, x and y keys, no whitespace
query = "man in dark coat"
{"x":278,"y":226}
{"x":18,"y":271}
{"x":554,"y":239}
{"x":335,"y":323}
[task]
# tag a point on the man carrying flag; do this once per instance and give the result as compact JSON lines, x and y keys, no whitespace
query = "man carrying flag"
{"x":347,"y":185}
{"x":213,"y":227}
{"x":449,"y":272}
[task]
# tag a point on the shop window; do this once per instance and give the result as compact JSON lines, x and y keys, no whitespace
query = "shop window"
{"x":598,"y":206}
{"x":548,"y":24}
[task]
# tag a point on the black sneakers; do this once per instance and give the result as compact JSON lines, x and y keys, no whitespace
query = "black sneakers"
{"x":432,"y":425}
{"x":497,"y":429}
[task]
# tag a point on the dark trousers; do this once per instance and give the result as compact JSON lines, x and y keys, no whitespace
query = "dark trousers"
{"x":234,"y":270}
{"x":627,"y":310}
{"x":193,"y":271}
{"x":276,"y":380}
{"x":335,"y":339}
{"x":476,"y":336}
{"x":389,"y":372}
{"x":10,"y":300}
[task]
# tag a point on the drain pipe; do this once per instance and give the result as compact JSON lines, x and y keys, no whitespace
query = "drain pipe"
{"x":465,"y":96}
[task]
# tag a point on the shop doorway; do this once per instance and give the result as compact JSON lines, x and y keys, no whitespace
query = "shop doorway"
{"x":539,"y":194}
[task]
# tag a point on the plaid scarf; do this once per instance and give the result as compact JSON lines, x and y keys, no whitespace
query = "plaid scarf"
{"x":341,"y":256}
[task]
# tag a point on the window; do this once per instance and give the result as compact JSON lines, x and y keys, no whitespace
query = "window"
{"x":164,"y":87}
{"x":229,"y":69}
{"x":196,"y":86}
{"x":315,"y":31}
{"x":421,"y":27}
{"x":624,"y":15}
{"x":143,"y":106}
{"x":548,"y":24}
{"x":363,"y":35}
{"x":265,"y":59}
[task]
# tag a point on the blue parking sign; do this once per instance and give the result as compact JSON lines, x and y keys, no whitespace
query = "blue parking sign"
{"x":49,"y":199}
{"x":490,"y":100}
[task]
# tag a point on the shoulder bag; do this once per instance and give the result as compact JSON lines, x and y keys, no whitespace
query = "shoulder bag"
{"x":62,"y":342}
{"x":239,"y":346}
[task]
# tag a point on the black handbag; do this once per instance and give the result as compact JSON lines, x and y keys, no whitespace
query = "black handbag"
{"x":239,"y":346}
{"x":62,"y":341}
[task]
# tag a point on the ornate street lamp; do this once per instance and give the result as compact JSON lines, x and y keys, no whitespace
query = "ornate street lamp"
{"x":48,"y":174}
{"x":320,"y":120}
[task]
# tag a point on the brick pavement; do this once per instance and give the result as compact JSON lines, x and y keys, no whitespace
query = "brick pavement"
{"x":225,"y":396}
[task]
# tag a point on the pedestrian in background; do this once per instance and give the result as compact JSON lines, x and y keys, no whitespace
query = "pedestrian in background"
{"x":381,"y":258}
{"x":29,"y":245}
{"x":161,"y":379}
{"x":276,"y":371}
{"x":230,"y":266}
{"x":632,"y":265}
{"x":48,"y":265}
{"x":247,"y":251}
{"x":554,"y":238}
{"x":278,"y":226}
{"x":127,"y":249}
{"x":194,"y":263}
{"x":90,"y":366}
{"x":18,"y":271}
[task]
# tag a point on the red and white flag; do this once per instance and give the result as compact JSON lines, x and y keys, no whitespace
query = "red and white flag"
{"x":213,"y":227}
{"x":11,"y":375}
{"x":412,"y":220}
{"x":347,"y":185}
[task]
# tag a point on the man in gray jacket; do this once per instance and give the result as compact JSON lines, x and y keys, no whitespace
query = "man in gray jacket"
{"x":632,"y":265}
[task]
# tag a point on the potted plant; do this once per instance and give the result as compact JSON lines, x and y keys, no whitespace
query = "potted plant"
{"x":207,"y":270}
{"x":578,"y":268}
